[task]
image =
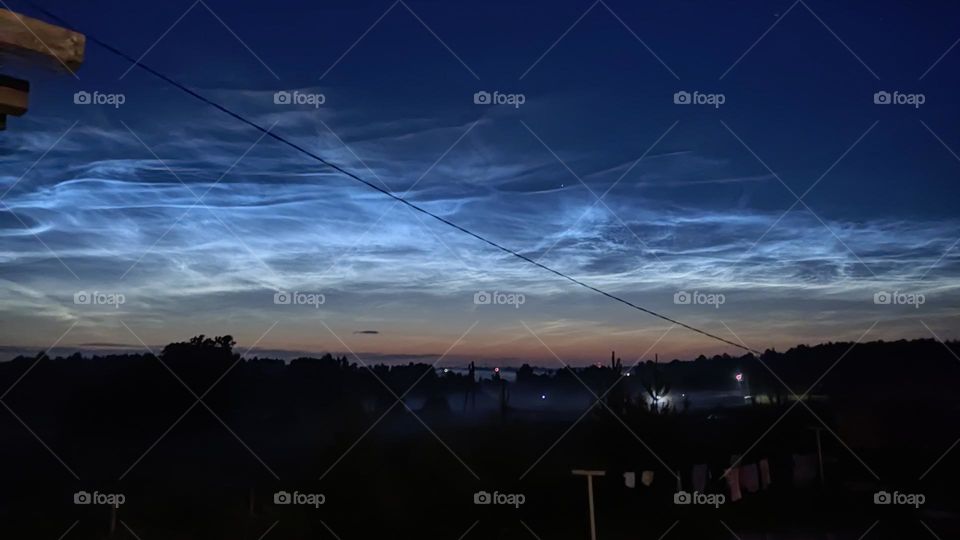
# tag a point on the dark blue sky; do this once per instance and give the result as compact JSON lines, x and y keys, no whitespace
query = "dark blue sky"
{"x":112,"y":205}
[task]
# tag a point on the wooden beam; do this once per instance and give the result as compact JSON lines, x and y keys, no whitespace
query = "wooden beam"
{"x":14,"y":96}
{"x":25,"y":36}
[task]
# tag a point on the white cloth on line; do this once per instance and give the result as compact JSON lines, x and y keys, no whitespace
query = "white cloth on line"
{"x":750,"y":478}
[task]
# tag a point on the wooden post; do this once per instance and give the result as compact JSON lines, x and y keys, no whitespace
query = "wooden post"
{"x":817,"y":430}
{"x":37,"y":43}
{"x":590,"y":474}
{"x":823,"y":479}
{"x":13,"y":96}
{"x":35,"y":40}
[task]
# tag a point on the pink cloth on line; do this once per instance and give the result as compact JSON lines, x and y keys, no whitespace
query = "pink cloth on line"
{"x":764,"y":473}
{"x":750,"y":478}
{"x":733,"y":482}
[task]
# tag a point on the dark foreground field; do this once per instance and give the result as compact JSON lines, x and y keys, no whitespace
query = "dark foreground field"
{"x":210,"y":468}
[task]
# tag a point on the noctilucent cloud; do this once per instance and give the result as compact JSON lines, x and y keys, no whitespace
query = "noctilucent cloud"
{"x":789,"y":176}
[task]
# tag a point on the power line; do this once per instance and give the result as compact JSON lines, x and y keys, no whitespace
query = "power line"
{"x":370,"y":185}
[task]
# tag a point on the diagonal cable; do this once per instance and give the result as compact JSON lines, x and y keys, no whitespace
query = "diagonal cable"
{"x":599,"y":199}
{"x":198,"y":202}
{"x":387,"y":193}
{"x":219,"y":20}
{"x":799,"y":400}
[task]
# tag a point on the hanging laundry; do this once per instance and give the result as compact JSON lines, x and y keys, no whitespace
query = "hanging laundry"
{"x":750,"y":478}
{"x":764,"y":473}
{"x":733,"y":483}
{"x":699,"y":477}
{"x":647,"y":478}
{"x":630,"y":479}
{"x":804,"y":469}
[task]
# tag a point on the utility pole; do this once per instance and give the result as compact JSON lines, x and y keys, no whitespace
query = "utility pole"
{"x":113,"y":519}
{"x":823,"y":479}
{"x":817,"y":430}
{"x":589,"y":475}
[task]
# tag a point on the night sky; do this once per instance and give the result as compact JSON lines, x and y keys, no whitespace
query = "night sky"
{"x":198,"y":220}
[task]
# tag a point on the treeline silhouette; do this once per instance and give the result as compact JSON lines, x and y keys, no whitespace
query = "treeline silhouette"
{"x":198,"y":439}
